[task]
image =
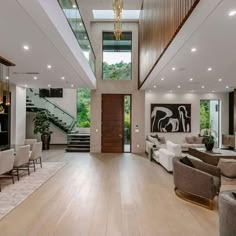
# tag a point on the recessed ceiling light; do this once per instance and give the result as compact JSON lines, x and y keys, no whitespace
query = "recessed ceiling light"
{"x":232,"y":13}
{"x":227,"y":87}
{"x":26,"y":47}
{"x":26,"y":85}
{"x":191,"y":79}
{"x":72,"y":85}
{"x":209,"y":69}
{"x":162,"y":79}
{"x":35,"y":78}
{"x":179,"y":86}
{"x":6,"y":77}
{"x":49,"y":66}
{"x":49,"y":85}
{"x":62,"y":77}
{"x":193,"y":50}
{"x":154,"y":86}
{"x":85,"y":37}
{"x":220,"y":80}
{"x":203,"y":86}
{"x":74,"y":6}
{"x":80,"y":24}
{"x":173,"y":68}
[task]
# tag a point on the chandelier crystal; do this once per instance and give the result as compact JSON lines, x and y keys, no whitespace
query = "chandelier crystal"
{"x":117,"y":8}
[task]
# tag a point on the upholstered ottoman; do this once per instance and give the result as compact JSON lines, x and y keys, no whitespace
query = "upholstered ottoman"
{"x":227,"y":167}
{"x":227,"y":213}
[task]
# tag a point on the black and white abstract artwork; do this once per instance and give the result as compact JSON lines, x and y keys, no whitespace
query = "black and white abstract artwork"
{"x":168,"y":118}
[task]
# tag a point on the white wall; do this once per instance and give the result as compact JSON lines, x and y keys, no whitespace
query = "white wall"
{"x":117,"y":87}
{"x":194,"y":100}
{"x":68,"y":104}
{"x":18,"y":115}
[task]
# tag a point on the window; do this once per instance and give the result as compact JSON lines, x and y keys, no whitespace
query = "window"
{"x":209,"y":118}
{"x":83,"y":108}
{"x":117,"y":56}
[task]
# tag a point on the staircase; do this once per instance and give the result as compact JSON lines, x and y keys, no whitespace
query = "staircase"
{"x":57,"y":116}
{"x":78,"y":143}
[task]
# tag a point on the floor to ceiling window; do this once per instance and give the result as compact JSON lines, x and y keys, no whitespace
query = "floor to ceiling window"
{"x":117,"y":55}
{"x":209,"y":118}
{"x":83,"y":108}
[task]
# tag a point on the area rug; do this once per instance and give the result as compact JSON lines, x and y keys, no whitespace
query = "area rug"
{"x":14,"y":194}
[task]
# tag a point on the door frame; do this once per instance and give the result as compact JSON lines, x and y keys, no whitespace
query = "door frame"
{"x":125,"y":94}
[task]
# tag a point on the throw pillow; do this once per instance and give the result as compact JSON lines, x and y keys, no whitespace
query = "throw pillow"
{"x":189,"y":139}
{"x":156,"y":136}
{"x":198,"y":140}
{"x":234,"y":194}
{"x":185,"y":160}
{"x":162,"y":140}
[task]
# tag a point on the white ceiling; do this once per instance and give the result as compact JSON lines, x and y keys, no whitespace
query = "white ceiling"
{"x":215,"y":41}
{"x":18,"y":28}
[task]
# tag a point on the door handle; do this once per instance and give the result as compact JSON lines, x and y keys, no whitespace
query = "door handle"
{"x":120,"y":135}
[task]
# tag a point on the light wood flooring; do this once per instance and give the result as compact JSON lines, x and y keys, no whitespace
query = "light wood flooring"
{"x":108,"y":194}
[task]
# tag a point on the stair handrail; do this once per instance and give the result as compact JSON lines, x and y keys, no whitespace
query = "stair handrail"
{"x":56,"y":106}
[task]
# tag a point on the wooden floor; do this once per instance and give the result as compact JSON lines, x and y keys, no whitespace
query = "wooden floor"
{"x":108,"y":194}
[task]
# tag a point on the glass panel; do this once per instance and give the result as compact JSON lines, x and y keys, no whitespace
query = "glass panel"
{"x":73,"y":16}
{"x":209,"y":118}
{"x":117,"y":56}
{"x":83,"y":108}
{"x":127,"y":123}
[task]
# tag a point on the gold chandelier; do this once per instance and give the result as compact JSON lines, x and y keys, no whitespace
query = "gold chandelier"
{"x":117,"y":8}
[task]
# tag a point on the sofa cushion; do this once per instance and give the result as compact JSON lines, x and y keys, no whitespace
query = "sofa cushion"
{"x":162,"y":140}
{"x":190,"y":139}
{"x":174,"y":148}
{"x":185,"y":160}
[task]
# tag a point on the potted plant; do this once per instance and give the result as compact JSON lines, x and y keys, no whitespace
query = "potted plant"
{"x":209,"y":142}
{"x":42,"y":126}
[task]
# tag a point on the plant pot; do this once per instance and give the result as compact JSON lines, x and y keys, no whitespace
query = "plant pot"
{"x":209,"y":146}
{"x":46,"y":138}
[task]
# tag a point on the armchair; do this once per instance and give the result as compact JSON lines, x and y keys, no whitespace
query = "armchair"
{"x":198,"y":183}
{"x":6,"y":164}
{"x":36,"y":154}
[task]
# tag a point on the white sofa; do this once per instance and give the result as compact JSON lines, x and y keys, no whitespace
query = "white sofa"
{"x":164,"y":156}
{"x":189,"y":142}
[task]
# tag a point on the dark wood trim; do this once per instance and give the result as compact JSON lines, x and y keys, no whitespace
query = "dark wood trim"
{"x":140,"y":84}
{"x":6,"y":62}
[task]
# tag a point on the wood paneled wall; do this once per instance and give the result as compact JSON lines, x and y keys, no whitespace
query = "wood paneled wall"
{"x":160,"y":21}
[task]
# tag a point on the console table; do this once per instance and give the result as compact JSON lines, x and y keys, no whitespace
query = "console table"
{"x":212,"y":157}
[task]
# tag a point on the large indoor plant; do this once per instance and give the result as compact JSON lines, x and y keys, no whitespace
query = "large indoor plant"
{"x":209,"y":142}
{"x":42,"y":126}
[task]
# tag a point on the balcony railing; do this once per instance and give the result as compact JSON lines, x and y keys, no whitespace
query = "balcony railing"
{"x":73,"y":16}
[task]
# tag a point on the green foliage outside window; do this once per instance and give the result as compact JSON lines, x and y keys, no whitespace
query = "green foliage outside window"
{"x":83,"y":108}
{"x":118,"y":71}
{"x":205,"y":121}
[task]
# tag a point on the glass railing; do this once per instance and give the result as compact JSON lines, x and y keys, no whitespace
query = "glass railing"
{"x":54,"y":110}
{"x":73,"y":16}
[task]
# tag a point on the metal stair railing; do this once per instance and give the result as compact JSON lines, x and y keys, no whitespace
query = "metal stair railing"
{"x":56,"y":113}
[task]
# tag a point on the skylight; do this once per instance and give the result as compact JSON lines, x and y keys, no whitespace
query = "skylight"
{"x":109,"y":14}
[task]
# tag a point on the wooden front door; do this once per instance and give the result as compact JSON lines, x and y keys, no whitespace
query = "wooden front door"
{"x":112,"y":123}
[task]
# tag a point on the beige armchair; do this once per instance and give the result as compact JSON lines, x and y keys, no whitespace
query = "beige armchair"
{"x":30,"y":142}
{"x":6,"y":164}
{"x":21,"y":161}
{"x":36,"y":154}
{"x":198,"y":183}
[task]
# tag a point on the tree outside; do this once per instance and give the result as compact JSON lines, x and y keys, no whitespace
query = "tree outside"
{"x":83,"y":108}
{"x":205,"y":120}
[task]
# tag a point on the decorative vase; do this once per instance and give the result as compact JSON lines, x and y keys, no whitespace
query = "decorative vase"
{"x":46,"y":138}
{"x":209,"y":146}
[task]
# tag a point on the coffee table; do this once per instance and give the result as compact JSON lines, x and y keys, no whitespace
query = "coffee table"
{"x":212,"y":157}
